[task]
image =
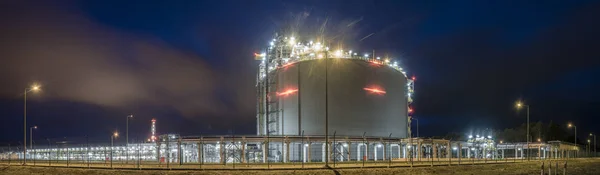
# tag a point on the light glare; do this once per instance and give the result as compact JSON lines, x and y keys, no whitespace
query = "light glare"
{"x":375,"y":90}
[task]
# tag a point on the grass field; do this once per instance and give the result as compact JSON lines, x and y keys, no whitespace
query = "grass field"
{"x":577,"y":166}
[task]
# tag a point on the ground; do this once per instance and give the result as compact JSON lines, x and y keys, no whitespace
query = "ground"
{"x":579,"y":167}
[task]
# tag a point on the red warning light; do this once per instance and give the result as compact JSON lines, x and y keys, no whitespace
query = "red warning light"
{"x":414,"y":78}
{"x":286,"y":65}
{"x":410,"y":110}
{"x":375,"y":63}
{"x":287,"y":92}
{"x":374,"y":90}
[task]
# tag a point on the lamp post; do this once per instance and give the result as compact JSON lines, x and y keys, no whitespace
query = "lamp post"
{"x":592,"y":134}
{"x":519,"y":106}
{"x":31,"y":136}
{"x":31,"y":141}
{"x":575,"y":127}
{"x":588,"y":146}
{"x":112,"y":137}
{"x":127,"y":138}
{"x":417,"y":125}
{"x":34,"y":88}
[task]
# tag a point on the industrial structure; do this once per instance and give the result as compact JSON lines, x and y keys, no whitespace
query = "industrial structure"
{"x":314,"y":104}
{"x":304,"y":86}
{"x":152,"y":131}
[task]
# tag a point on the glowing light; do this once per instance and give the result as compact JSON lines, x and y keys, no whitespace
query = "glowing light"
{"x":414,"y":78}
{"x":317,"y":47}
{"x":345,"y":145}
{"x":272,"y":43}
{"x":376,"y":62}
{"x":477,"y":136}
{"x":379,"y":146}
{"x":501,"y":141}
{"x":35,"y":87}
{"x":489,"y":137}
{"x":355,"y":54}
{"x":320,"y":56}
{"x":387,"y":61}
{"x":410,"y":110}
{"x":472,"y":149}
{"x":539,"y":140}
{"x":375,"y":90}
{"x":454,"y":148}
{"x":287,"y":92}
{"x":116,"y":134}
{"x":338,"y":53}
{"x":470,"y":136}
{"x":366,"y":55}
{"x":286,"y":65}
{"x":378,"y":58}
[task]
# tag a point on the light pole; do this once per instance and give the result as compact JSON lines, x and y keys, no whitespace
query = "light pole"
{"x":588,"y":147}
{"x":592,"y":134}
{"x":112,"y":137}
{"x":127,"y":138}
{"x":34,"y":88}
{"x":326,"y":112}
{"x":31,"y":141}
{"x":417,"y":125}
{"x":575,"y":127}
{"x":519,"y":106}
{"x":31,"y":136}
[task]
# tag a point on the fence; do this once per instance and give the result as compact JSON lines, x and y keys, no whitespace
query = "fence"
{"x":255,"y":152}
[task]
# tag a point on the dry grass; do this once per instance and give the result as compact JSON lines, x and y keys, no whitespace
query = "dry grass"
{"x":581,"y":166}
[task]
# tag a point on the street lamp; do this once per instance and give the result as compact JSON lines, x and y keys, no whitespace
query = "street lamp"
{"x":31,"y":136}
{"x":592,"y":134}
{"x":127,"y":137}
{"x":575,"y":127}
{"x":31,"y":141}
{"x":519,"y":106}
{"x":127,"y":128}
{"x":417,"y":126}
{"x":112,"y":137}
{"x":33,"y":88}
{"x":588,"y":146}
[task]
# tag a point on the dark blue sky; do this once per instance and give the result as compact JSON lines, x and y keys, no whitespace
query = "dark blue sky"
{"x":189,"y":63}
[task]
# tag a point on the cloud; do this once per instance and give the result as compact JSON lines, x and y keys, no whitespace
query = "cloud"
{"x":78,"y":60}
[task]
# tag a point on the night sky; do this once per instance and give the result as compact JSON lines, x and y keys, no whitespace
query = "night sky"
{"x":190,"y":64}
